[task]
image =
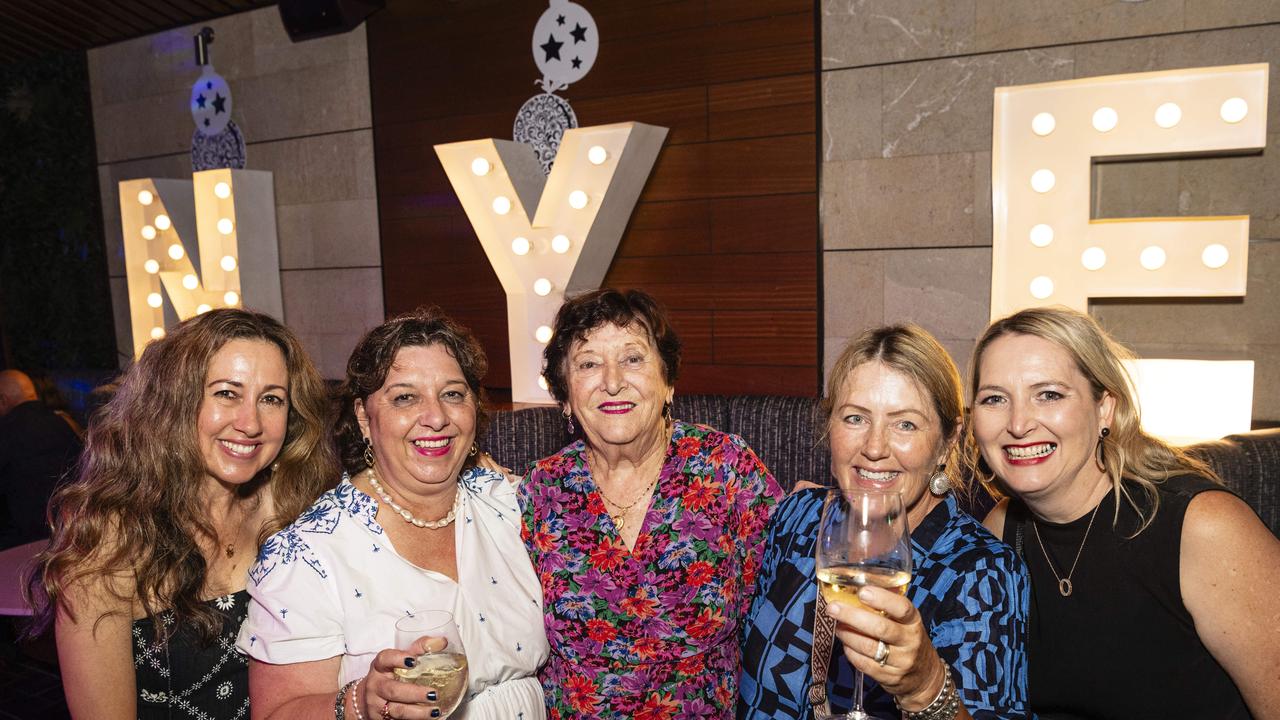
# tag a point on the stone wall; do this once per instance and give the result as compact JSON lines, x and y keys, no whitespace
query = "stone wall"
{"x":906,"y":173}
{"x":305,"y":114}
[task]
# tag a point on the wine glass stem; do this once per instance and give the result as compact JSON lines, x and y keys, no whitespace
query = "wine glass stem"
{"x":857,"y":696}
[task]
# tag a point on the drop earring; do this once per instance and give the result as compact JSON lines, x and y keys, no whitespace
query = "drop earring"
{"x":569,"y":419}
{"x":940,"y":482}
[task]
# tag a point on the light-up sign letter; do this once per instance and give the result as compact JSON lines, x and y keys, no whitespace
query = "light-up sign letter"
{"x":549,"y":235}
{"x":1045,"y":248}
{"x":229,"y":217}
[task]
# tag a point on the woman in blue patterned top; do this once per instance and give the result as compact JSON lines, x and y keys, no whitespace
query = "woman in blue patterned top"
{"x":953,"y":648}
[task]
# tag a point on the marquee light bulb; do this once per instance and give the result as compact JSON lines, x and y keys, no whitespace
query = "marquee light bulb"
{"x":1042,"y":181}
{"x":1153,"y":257}
{"x":577,"y":199}
{"x":542,"y":383}
{"x":597,"y":155}
{"x":480,"y":167}
{"x":1105,"y":119}
{"x":542,"y":334}
{"x":228,"y":263}
{"x":542,"y":286}
{"x":145,"y":197}
{"x":190,"y":282}
{"x":202,"y":309}
{"x":1043,"y":124}
{"x":222,"y":190}
{"x":560,"y":244}
{"x":1168,"y":115}
{"x":231,"y":298}
{"x":1234,"y":110}
{"x":148,"y":232}
{"x":501,"y":205}
{"x":157,"y":333}
{"x":1215,"y":256}
{"x":163,"y":222}
{"x":1041,"y":235}
{"x":1041,"y":287}
{"x":154,"y":300}
{"x":1093,"y":258}
{"x":224,"y":226}
{"x":151,"y":266}
{"x":176,"y":252}
{"x":520,"y":246}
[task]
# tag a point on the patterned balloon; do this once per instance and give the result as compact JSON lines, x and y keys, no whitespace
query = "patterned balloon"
{"x":541,"y":123}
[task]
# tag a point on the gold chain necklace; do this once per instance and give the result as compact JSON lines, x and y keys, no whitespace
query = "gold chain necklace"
{"x":619,"y":520}
{"x":1064,"y":583}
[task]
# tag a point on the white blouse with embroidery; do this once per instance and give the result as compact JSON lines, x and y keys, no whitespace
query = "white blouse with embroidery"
{"x":332,"y":584}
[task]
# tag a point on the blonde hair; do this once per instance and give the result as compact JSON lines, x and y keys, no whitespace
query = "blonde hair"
{"x":912,"y":351}
{"x":1128,"y":452}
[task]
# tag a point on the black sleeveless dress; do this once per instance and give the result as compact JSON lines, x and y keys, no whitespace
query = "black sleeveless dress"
{"x":1122,"y":645}
{"x":185,"y":679}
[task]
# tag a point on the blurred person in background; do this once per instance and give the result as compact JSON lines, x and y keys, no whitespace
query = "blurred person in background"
{"x":37,"y":446}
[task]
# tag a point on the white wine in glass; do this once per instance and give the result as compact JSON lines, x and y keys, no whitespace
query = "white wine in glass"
{"x":862,"y":540}
{"x":444,"y":671}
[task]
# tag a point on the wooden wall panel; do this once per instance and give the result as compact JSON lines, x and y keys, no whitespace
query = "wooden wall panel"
{"x":726,"y":231}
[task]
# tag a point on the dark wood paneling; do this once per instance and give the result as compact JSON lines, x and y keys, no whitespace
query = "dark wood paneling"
{"x":726,"y":231}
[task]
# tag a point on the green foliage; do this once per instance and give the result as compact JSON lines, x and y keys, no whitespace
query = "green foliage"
{"x":55,"y":302}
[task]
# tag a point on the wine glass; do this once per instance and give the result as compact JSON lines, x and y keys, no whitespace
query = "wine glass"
{"x":444,"y":671}
{"x":862,"y":540}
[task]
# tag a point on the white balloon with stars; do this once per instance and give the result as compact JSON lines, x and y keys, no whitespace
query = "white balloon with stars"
{"x":210,"y":102}
{"x":565,"y":44}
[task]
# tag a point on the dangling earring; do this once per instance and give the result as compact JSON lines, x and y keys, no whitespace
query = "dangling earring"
{"x":569,"y":418}
{"x":940,"y":483}
{"x":474,"y":449}
{"x":369,"y":459}
{"x":1102,"y":456}
{"x":666,"y":410}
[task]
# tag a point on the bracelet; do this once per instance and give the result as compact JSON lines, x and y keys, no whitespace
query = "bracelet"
{"x":944,"y":707}
{"x":340,"y":702}
{"x":355,"y":699}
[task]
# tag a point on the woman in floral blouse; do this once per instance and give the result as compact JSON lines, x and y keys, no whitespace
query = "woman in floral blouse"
{"x":646,"y":533}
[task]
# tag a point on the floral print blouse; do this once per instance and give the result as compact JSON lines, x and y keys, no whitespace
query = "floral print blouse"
{"x":649,"y":633}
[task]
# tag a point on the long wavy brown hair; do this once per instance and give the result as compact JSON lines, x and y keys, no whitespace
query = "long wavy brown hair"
{"x":134,"y":509}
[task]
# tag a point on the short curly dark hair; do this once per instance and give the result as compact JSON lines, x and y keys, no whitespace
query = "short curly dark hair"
{"x":371,"y":361}
{"x":607,"y":306}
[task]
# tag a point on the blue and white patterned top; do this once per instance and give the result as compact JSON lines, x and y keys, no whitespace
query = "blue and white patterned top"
{"x":331,"y":584}
{"x":971,"y":590}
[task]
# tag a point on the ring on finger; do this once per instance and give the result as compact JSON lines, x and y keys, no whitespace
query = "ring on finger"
{"x":386,"y":710}
{"x":882,"y":653}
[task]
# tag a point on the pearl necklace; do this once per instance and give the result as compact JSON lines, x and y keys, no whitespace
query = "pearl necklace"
{"x":408,"y":516}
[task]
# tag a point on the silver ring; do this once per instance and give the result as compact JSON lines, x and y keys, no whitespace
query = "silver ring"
{"x":882,"y":653}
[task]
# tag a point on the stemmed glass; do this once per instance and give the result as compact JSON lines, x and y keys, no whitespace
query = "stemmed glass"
{"x":862,"y":540}
{"x":444,"y":671}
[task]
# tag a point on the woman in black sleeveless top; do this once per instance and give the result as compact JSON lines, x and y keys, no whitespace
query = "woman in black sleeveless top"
{"x":1155,"y":591}
{"x":215,"y":438}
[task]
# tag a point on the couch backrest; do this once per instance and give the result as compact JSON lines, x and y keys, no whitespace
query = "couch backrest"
{"x":783,"y":433}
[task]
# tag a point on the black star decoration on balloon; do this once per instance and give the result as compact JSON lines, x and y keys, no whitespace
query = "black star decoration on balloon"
{"x":208,"y":86}
{"x":551,"y":47}
{"x":219,"y":104}
{"x":579,"y":33}
{"x":559,"y":19}
{"x":200,"y":101}
{"x":576,"y":62}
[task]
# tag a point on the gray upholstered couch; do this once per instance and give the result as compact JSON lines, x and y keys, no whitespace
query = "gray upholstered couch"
{"x":782,"y":431}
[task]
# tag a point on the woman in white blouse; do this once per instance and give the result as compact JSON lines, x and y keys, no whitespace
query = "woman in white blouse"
{"x":417,"y":526}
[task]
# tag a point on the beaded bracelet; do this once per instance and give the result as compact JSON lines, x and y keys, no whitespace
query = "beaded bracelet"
{"x":340,"y":702}
{"x":944,"y":707}
{"x":355,"y":699}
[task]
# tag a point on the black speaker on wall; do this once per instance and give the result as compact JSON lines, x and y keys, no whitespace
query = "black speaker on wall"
{"x":307,"y":19}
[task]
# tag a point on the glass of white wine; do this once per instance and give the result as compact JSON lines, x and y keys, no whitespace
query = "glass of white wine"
{"x":444,"y":671}
{"x":862,"y":540}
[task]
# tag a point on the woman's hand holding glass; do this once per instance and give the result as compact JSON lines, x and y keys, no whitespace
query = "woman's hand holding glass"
{"x":425,"y":678}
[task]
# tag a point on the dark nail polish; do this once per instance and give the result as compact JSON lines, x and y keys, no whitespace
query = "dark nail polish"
{"x":410,"y":662}
{"x":431,"y":696}
{"x":435,"y":712}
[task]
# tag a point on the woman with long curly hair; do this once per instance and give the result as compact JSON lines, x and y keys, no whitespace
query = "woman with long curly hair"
{"x":216,"y":438}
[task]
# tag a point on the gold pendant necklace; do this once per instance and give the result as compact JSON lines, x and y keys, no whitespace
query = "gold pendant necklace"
{"x":620,"y":519}
{"x":1064,"y":583}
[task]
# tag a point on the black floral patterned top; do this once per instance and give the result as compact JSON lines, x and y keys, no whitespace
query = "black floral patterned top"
{"x":186,"y":679}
